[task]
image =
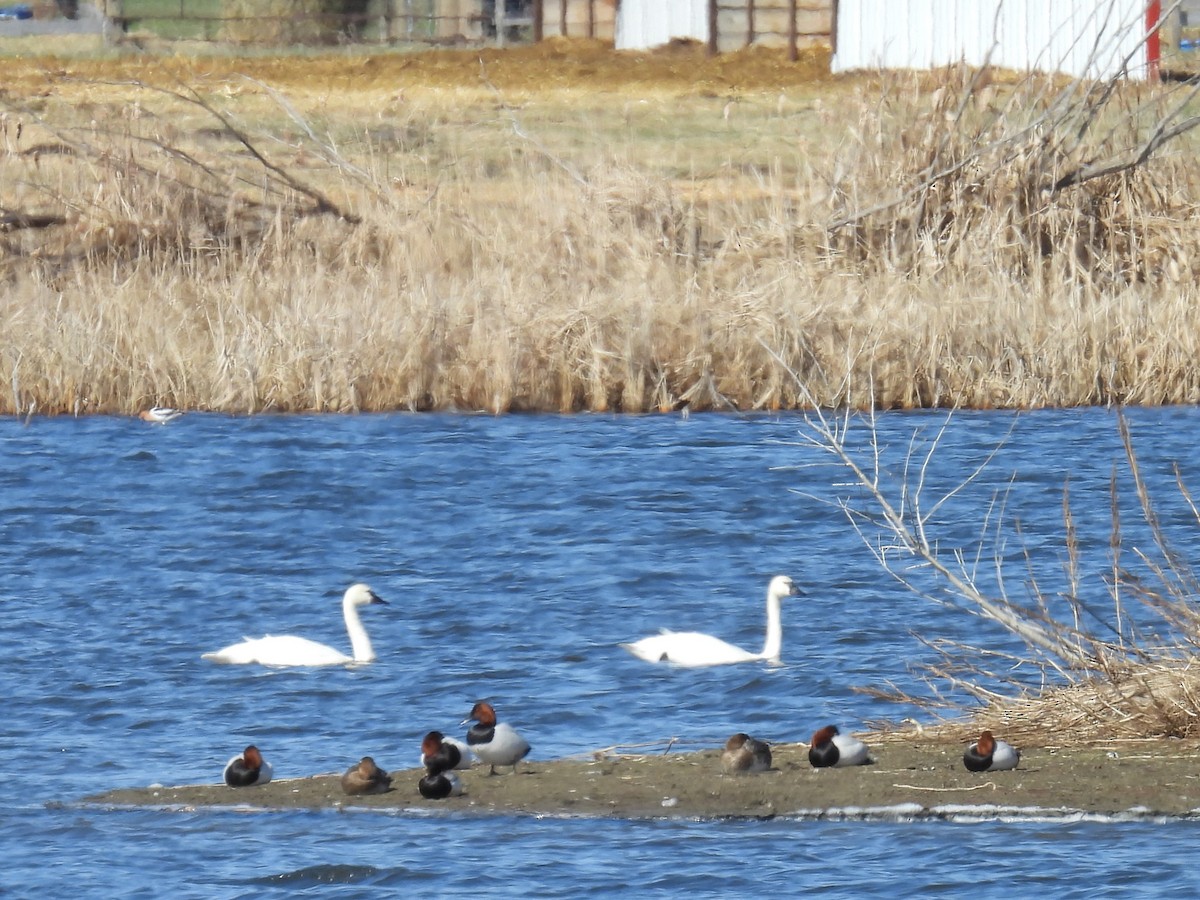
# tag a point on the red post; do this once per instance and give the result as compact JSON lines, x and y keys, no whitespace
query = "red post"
{"x":1153,"y":39}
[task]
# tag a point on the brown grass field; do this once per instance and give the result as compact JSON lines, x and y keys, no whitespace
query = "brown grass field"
{"x":568,"y":228}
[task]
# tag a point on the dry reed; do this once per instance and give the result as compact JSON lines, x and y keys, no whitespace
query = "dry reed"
{"x":227,"y":246}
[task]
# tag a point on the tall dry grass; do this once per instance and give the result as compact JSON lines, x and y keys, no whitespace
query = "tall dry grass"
{"x":226,"y":246}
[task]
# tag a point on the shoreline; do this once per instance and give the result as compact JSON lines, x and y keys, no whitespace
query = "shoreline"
{"x":910,"y":778}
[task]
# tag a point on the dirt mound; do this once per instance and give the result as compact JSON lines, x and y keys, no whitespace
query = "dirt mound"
{"x":558,"y":63}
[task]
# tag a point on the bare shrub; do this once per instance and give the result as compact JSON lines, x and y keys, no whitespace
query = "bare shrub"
{"x":1087,"y":671}
{"x":1041,"y":173}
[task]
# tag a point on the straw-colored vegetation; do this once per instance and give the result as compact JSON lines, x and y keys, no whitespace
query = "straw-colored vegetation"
{"x":566,"y":228}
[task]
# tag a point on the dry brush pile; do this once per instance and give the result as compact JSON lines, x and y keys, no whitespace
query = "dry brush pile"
{"x":207,"y":243}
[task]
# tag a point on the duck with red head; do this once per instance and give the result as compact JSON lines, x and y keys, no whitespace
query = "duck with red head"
{"x":439,"y":785}
{"x":364,"y":777}
{"x":745,"y":755}
{"x":495,"y":743}
{"x":440,"y":756}
{"x":990,"y":755}
{"x":445,"y":753}
{"x":248,"y":769}
{"x":832,"y":749}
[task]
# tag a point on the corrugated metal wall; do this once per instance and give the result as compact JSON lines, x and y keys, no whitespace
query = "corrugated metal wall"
{"x":1078,"y":37}
{"x":650,"y":23}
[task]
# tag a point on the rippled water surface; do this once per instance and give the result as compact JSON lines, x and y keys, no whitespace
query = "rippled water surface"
{"x":515,"y":554}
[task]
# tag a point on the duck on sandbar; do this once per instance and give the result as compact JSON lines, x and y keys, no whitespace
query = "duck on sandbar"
{"x":496,"y":744}
{"x":990,"y":755}
{"x":364,"y":777}
{"x":445,"y":753}
{"x":832,"y":749}
{"x":744,"y":755}
{"x":248,"y":769}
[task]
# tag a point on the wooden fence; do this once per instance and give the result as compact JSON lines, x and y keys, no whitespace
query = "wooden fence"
{"x":435,"y":22}
{"x":722,"y":24}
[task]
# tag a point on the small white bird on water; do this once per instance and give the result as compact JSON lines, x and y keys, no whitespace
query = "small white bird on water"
{"x":160,"y":415}
{"x":289,"y":650}
{"x":693,"y":649}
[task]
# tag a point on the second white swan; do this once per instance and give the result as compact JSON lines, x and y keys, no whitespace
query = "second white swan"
{"x":693,"y":649}
{"x":289,"y":650}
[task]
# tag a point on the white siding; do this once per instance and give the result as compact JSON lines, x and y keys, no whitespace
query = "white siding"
{"x":1095,"y":38}
{"x":642,"y":24}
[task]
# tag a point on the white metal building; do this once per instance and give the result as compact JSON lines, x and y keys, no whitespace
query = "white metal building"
{"x":641,"y":25}
{"x":1093,"y":38}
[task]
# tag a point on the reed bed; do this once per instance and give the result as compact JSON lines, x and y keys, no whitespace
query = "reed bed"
{"x":225,"y":244}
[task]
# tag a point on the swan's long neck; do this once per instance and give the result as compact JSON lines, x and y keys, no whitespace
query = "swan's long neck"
{"x":359,"y":642}
{"x":774,"y":643}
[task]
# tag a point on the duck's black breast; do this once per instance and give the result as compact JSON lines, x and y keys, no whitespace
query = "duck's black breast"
{"x":240,"y":775}
{"x":434,"y":787}
{"x":824,"y":755}
{"x":481,"y":734}
{"x":976,"y":761}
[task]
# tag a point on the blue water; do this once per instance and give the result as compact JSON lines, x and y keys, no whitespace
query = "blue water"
{"x":515,"y":553}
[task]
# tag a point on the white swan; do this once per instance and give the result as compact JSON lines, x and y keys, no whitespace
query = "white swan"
{"x":691,"y":648}
{"x":289,"y":650}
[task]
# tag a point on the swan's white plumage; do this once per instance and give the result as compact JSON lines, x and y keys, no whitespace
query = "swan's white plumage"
{"x":290,"y":650}
{"x":695,"y":649}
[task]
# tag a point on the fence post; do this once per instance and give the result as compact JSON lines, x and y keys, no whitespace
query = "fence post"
{"x":712,"y":27}
{"x":749,"y":22}
{"x":793,"y":36}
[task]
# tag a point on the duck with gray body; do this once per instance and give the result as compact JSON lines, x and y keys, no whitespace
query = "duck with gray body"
{"x":495,"y":743}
